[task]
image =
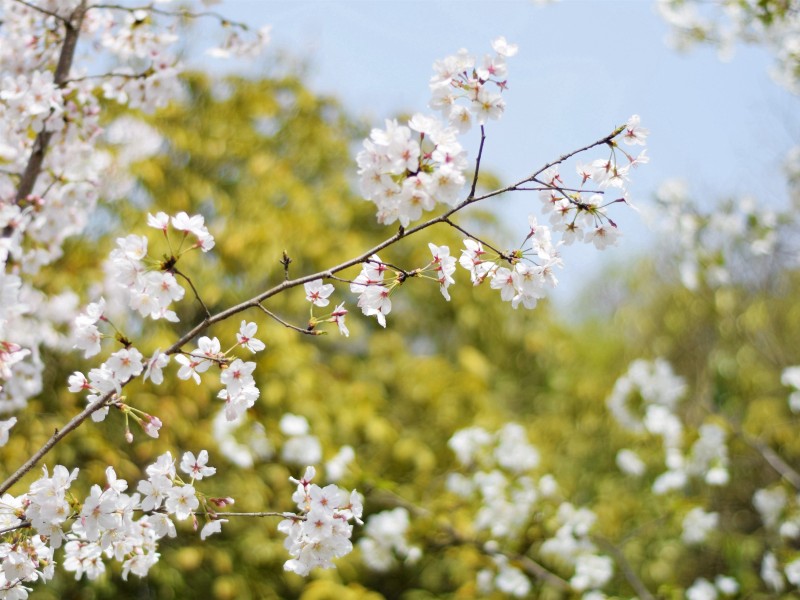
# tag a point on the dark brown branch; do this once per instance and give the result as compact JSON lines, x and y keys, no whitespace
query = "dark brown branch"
{"x":17,"y":527}
{"x":57,"y":436}
{"x":72,"y":26}
{"x":477,"y":164}
{"x":196,"y":293}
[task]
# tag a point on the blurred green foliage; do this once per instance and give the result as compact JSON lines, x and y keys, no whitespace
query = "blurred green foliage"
{"x":268,"y":163}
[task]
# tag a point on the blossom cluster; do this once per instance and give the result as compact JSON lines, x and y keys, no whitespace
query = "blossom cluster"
{"x":656,"y":391}
{"x":458,"y":77}
{"x":779,"y":511}
{"x":703,"y":589}
{"x":407,"y":169}
{"x":573,"y":545}
{"x":151,"y":291}
{"x":521,"y":275}
{"x":106,"y":381}
{"x":50,"y":107}
{"x":322,"y":528}
{"x":374,"y":289}
{"x":405,"y":173}
{"x":578,"y":214}
{"x":317,"y":293}
{"x":108,"y":524}
{"x":240,"y":391}
{"x":373,"y":292}
{"x":531,"y":269}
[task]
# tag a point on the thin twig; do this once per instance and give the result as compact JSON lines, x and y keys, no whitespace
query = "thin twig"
{"x":285,"y":261}
{"x":272,"y":315}
{"x":477,"y":164}
{"x":773,"y":459}
{"x":636,"y":583}
{"x":184,"y":14}
{"x":221,"y":515}
{"x":44,"y":11}
{"x":18,"y":526}
{"x":342,"y":279}
{"x":110,"y":74}
{"x":608,"y":140}
{"x":196,"y":293}
{"x":500,"y":253}
{"x":563,"y":192}
{"x":545,"y":187}
{"x":541,"y":573}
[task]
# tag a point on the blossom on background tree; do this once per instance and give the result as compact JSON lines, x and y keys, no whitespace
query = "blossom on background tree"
{"x":774,"y":24}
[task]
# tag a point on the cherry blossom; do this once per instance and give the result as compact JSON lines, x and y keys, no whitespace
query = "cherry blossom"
{"x":317,"y":293}
{"x":322,"y":530}
{"x":246,"y":337}
{"x":197,"y":467}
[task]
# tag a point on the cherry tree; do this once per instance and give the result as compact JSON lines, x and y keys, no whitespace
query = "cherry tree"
{"x":75,"y":75}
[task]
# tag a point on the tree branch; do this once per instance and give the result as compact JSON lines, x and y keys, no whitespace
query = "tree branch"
{"x":57,"y":436}
{"x":469,"y":235}
{"x":272,"y":315}
{"x":773,"y":459}
{"x":17,"y":527}
{"x":44,"y":11}
{"x":220,"y":515}
{"x":196,"y":293}
{"x":539,"y":572}
{"x":282,"y":287}
{"x":72,"y":26}
{"x":477,"y":164}
{"x":636,"y":583}
{"x":182,"y":13}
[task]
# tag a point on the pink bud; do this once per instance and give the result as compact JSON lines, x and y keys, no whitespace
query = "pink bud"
{"x":151,"y":425}
{"x":222,"y":502}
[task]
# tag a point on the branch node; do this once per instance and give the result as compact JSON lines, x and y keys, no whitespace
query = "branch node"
{"x":285,"y":261}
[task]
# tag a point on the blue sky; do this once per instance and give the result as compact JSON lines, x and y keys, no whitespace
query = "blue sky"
{"x":583,"y":67}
